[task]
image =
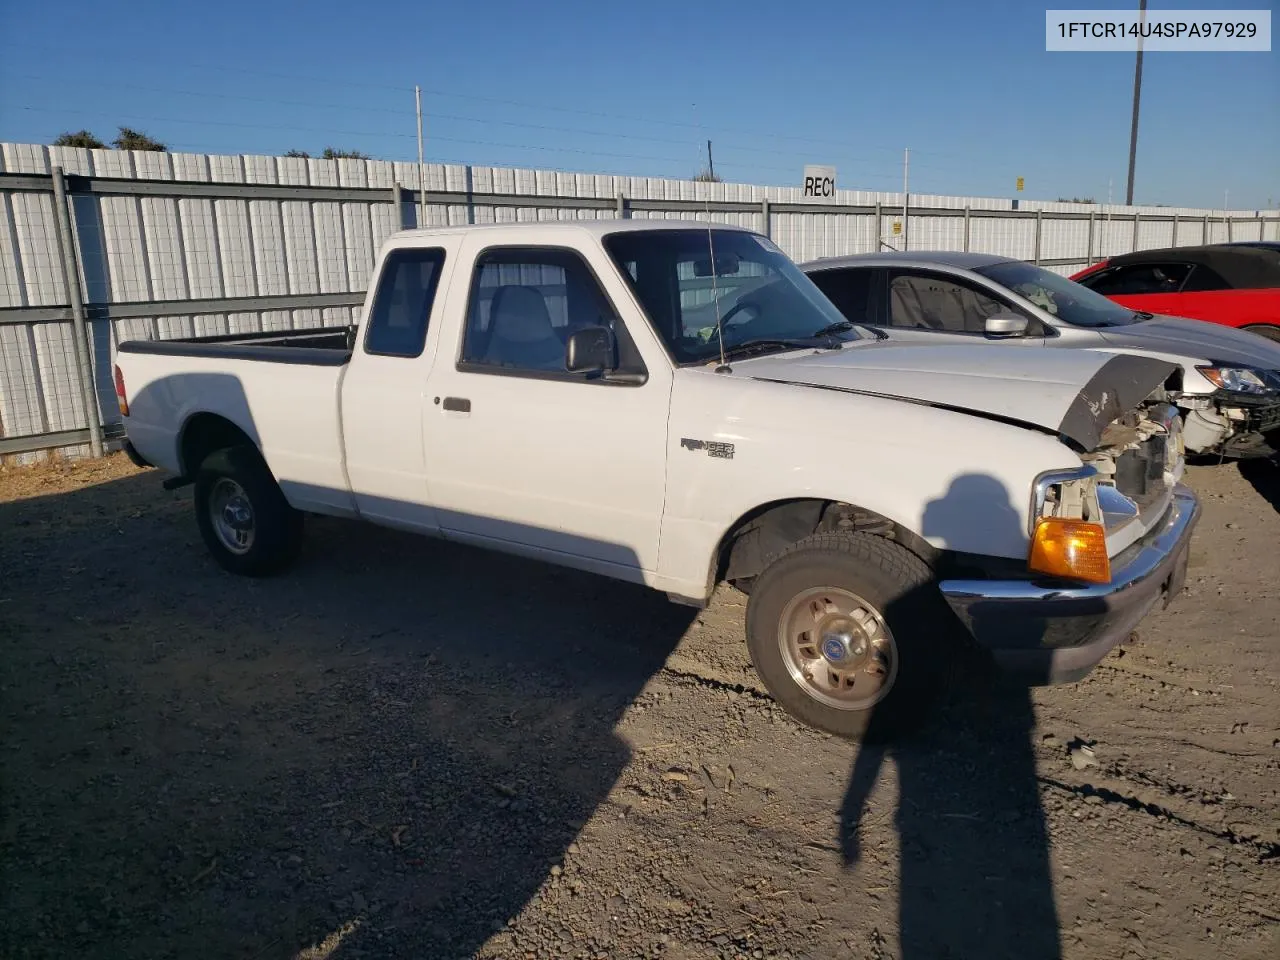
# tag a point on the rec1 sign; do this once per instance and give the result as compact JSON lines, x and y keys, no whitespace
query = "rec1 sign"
{"x":819,"y":183}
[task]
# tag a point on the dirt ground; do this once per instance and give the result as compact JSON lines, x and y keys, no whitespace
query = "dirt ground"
{"x":406,"y":748}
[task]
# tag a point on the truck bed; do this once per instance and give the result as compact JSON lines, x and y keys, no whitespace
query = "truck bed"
{"x":319,"y":346}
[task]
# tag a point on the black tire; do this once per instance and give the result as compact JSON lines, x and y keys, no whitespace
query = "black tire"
{"x":1264,"y":330}
{"x":888,"y":577}
{"x":276,"y":528}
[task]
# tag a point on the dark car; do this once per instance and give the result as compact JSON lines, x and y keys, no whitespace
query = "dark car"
{"x":1256,"y":244}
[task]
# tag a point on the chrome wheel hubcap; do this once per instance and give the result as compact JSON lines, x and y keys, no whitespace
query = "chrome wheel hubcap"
{"x":231,"y":512}
{"x":838,"y":648}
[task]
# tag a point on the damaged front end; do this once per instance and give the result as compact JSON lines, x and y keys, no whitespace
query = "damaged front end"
{"x":1233,"y":424}
{"x":1127,"y":481}
{"x":1109,"y":539}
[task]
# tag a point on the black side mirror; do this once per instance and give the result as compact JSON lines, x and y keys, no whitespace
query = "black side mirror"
{"x":589,"y":350}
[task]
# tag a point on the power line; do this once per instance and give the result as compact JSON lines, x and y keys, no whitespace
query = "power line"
{"x":453,"y":117}
{"x":527,"y":104}
{"x":365,"y":133}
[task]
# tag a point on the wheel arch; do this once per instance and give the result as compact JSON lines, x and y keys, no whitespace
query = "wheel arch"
{"x":1270,"y":331}
{"x":747,"y":545}
{"x":204,"y":432}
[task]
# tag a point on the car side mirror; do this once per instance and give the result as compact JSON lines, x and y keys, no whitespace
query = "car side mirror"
{"x":589,"y":350}
{"x":1005,"y":325}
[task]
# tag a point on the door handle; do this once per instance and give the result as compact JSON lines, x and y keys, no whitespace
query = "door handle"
{"x":457,"y":404}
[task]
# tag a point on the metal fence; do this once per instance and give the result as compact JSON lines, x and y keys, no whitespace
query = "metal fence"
{"x":101,"y":246}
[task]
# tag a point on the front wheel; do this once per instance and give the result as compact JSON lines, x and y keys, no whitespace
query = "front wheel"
{"x":850,"y":635}
{"x":243,"y":517}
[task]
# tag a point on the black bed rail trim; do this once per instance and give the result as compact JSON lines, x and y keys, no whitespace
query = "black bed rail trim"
{"x":307,"y":356}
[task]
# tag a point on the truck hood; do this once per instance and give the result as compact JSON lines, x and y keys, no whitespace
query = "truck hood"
{"x":1072,"y":393}
{"x":1197,"y":340}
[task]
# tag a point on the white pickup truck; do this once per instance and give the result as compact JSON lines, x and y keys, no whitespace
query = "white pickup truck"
{"x":627,"y":397}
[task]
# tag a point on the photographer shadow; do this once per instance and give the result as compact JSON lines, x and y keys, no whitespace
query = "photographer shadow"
{"x":973,"y":844}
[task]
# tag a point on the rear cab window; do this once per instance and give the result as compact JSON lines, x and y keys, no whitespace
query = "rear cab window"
{"x":402,"y":304}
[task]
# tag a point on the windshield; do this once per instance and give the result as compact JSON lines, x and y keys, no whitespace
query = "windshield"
{"x":1065,"y":299}
{"x":755,"y":290}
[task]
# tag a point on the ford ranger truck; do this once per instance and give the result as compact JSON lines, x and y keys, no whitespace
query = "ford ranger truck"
{"x":677,"y":405}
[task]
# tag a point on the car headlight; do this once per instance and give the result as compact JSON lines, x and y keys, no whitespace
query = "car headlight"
{"x":1241,"y":380}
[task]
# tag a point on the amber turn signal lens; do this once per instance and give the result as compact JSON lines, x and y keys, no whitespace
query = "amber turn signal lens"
{"x":1070,"y":548}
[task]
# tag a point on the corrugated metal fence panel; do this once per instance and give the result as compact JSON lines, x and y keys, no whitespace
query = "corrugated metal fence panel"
{"x":935,"y":233}
{"x":266,"y":223}
{"x":1114,"y":236}
{"x":12,"y":293}
{"x":357,"y":226}
{"x":1153,"y":234}
{"x":1003,"y":235}
{"x":1064,"y":238}
{"x":235,"y":238}
{"x":124,"y":274}
{"x":152,"y":247}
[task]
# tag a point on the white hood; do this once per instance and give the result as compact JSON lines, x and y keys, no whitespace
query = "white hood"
{"x":1072,"y":392}
{"x":1197,"y":340}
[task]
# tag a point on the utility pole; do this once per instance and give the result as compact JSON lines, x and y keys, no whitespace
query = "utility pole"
{"x":422,"y":170}
{"x":1137,"y":97}
{"x":711,"y":167}
{"x":906,"y":167}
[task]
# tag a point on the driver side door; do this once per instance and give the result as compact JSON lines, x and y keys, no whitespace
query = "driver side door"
{"x":526,"y":456}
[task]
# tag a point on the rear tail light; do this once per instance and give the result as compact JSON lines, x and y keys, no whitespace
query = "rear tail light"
{"x":121,"y":401}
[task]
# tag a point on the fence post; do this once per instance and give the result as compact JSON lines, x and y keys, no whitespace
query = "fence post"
{"x":1204,"y":231}
{"x":1227,"y":217}
{"x":1088,"y":254}
{"x":879,"y":215}
{"x":620,"y":207}
{"x":766,"y":218}
{"x":397,"y":203}
{"x":1039,"y":227}
{"x":71,"y":277}
{"x":1175,"y":231}
{"x":1137,"y":218}
{"x":471,"y":198}
{"x":906,"y":221}
{"x":966,"y":228}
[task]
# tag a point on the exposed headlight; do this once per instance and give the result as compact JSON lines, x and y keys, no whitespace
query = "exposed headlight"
{"x":1241,"y":379}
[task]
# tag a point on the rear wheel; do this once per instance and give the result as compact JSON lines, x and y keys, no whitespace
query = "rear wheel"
{"x":850,"y":635}
{"x":243,"y":517}
{"x":1264,"y":330}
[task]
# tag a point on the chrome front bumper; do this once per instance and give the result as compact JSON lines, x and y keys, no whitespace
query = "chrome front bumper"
{"x":1044,"y":632}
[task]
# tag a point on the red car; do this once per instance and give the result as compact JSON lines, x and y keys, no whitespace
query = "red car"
{"x":1231,"y":284}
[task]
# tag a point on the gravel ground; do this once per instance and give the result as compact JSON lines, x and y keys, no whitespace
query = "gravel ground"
{"x":406,"y":748}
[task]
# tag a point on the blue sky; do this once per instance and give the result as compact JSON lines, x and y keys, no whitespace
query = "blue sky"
{"x":613,"y":87}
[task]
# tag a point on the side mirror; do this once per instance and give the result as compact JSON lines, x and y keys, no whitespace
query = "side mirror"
{"x":1005,"y":325}
{"x":589,"y":350}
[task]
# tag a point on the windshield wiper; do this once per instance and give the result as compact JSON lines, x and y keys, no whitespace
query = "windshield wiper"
{"x":1143,"y":315}
{"x":840,"y":326}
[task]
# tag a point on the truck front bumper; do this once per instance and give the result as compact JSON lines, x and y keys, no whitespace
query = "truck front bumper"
{"x":1043,"y":632}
